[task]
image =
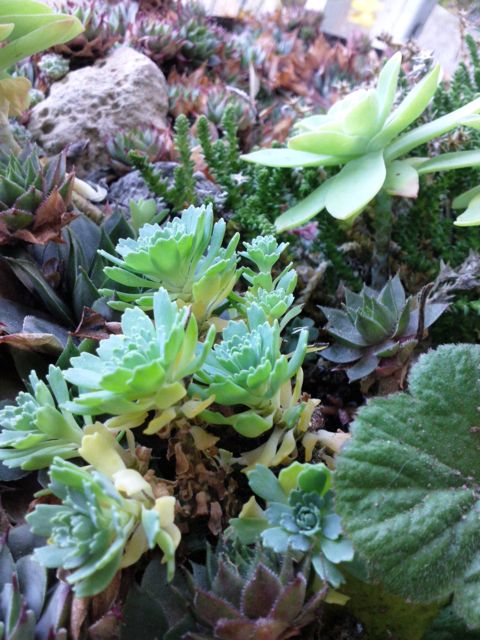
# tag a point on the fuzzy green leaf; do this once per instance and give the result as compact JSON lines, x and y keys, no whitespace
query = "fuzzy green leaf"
{"x":407,"y":484}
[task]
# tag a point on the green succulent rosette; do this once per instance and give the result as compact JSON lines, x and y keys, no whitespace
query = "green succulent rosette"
{"x":142,"y":370}
{"x":299,"y":517}
{"x":374,"y":326}
{"x":183,"y":256}
{"x":36,"y":429}
{"x":366,"y":135}
{"x":96,"y":531}
{"x":248,"y":370}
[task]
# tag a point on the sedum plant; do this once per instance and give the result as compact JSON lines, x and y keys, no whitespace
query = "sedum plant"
{"x":96,"y":530}
{"x":299,"y":517}
{"x":365,"y":135}
{"x":274,"y":296}
{"x":406,"y":483}
{"x":377,"y":325}
{"x":35,"y":197}
{"x":183,"y":256}
{"x":247,"y":371}
{"x":154,"y":144}
{"x":35,"y":430}
{"x":143,"y":369}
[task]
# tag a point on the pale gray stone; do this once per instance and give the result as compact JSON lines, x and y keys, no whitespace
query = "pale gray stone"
{"x":122,"y":92}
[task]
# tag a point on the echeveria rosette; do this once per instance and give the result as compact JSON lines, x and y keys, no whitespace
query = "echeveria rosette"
{"x":247,"y":369}
{"x":35,"y":429}
{"x":299,"y":517}
{"x":96,"y":531}
{"x":361,"y":134}
{"x":144,"y":369}
{"x":376,"y":326}
{"x":183,"y":256}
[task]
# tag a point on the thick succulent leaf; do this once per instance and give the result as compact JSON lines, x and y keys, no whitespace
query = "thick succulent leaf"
{"x":426,"y":132}
{"x":470,"y":217}
{"x":411,"y":107}
{"x":406,"y":483}
{"x":265,"y":484}
{"x":260,"y":593}
{"x":58,"y":28}
{"x":450,"y":161}
{"x":387,"y":86}
{"x":289,"y":158}
{"x":305,"y":210}
{"x":463,"y":200}
{"x":322,"y":141}
{"x":355,"y":186}
{"x":401,"y":180}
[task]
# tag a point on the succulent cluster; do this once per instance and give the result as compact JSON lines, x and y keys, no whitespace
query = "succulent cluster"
{"x":36,"y":429}
{"x":376,"y":326}
{"x":28,"y":609}
{"x":143,"y":369}
{"x":155,"y":145}
{"x":35,"y":197}
{"x":53,"y":66}
{"x":104,"y":24}
{"x":96,"y":530}
{"x":299,"y":517}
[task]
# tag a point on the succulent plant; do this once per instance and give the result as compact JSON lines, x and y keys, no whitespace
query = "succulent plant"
{"x":154,"y":144}
{"x":96,"y":531}
{"x":184,"y":256}
{"x":200,"y":41}
{"x":35,"y":429}
{"x":247,"y":371}
{"x":104,"y":24}
{"x":161,"y":41}
{"x":54,"y":66}
{"x":470,"y":201}
{"x":144,"y":369}
{"x":26,"y":613}
{"x":361,"y":133}
{"x":274,"y":296}
{"x":299,"y":517}
{"x":251,"y":594}
{"x":374,"y":326}
{"x":35,"y":197}
{"x":219,"y":98}
{"x":24,"y":31}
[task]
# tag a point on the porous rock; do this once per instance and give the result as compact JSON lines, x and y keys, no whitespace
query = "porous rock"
{"x":122,"y":92}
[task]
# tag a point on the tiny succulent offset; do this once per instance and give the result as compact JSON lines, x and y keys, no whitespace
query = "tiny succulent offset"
{"x":299,"y":517}
{"x":362,"y":134}
{"x":54,"y":66}
{"x":376,"y":326}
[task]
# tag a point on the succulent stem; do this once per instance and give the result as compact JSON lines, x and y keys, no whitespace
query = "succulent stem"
{"x":383,"y":232}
